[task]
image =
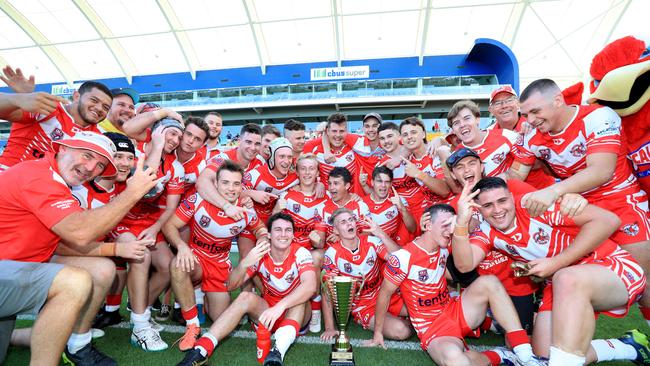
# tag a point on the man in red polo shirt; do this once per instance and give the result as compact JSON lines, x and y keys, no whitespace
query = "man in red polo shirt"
{"x":37,"y":211}
{"x":38,"y":119}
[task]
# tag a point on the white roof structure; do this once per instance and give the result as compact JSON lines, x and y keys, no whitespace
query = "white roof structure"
{"x":68,"y":40}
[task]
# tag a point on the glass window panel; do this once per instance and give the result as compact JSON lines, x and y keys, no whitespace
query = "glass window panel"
{"x":405,"y":83}
{"x":252,"y":91}
{"x":277,"y":89}
{"x":324,"y":87}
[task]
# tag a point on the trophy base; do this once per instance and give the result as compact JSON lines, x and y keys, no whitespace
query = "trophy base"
{"x":341,"y":358}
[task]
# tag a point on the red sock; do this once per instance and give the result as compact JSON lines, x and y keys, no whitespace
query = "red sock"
{"x":190,"y":314}
{"x":315,"y":305}
{"x":517,"y":337}
{"x":487,"y":323}
{"x":207,"y":344}
{"x":645,"y":312}
{"x":292,"y":323}
{"x":495,"y":359}
{"x":114,"y":300}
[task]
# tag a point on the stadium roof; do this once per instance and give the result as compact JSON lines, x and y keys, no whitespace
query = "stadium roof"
{"x":71,"y":40}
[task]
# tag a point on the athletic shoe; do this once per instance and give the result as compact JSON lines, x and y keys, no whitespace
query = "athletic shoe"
{"x":314,"y":323}
{"x":87,"y":356}
{"x":128,"y":305}
{"x":164,"y":313}
{"x":535,"y":361}
{"x":177,"y":317}
{"x":157,"y":327}
{"x":106,"y":318}
{"x":193,"y":357}
{"x":148,"y":339}
{"x":200,"y":313}
{"x":157,"y":305}
{"x":273,"y":358}
{"x":97,"y":333}
{"x":639,"y":341}
{"x":508,"y":357}
{"x":188,"y":340}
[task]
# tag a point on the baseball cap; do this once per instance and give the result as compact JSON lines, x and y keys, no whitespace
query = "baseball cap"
{"x":135,"y":96}
{"x":459,"y":155}
{"x":167,"y":123}
{"x":122,"y":143}
{"x":502,"y":89}
{"x":274,"y":146}
{"x":94,"y":142}
{"x":146,"y":107}
{"x":372,"y":115}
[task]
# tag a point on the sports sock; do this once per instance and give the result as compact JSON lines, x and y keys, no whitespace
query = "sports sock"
{"x":520,"y":343}
{"x":141,"y":321}
{"x":113,"y":303}
{"x":645,"y":312}
{"x":198,"y":296}
{"x":612,"y":349}
{"x":493,"y":357}
{"x":191,"y":316}
{"x":206,"y":344}
{"x":78,"y":341}
{"x":561,"y":358}
{"x":316,"y":302}
{"x":285,"y":335}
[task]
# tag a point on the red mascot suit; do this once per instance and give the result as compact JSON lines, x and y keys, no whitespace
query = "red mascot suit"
{"x":621,"y":80}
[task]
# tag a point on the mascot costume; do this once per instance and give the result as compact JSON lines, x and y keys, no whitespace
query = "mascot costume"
{"x":620,"y":76}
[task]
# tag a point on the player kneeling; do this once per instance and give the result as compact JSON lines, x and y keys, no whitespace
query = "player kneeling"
{"x":211,"y":235}
{"x":288,"y":280}
{"x":441,"y":322}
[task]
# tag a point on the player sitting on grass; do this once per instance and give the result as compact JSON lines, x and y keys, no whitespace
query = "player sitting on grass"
{"x":288,"y":280}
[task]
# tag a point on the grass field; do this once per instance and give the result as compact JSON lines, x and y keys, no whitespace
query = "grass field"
{"x":239,"y":348}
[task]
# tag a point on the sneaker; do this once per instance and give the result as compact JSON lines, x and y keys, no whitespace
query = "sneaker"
{"x":87,"y":356}
{"x":193,"y":357}
{"x":128,"y":305}
{"x":273,"y":358}
{"x":148,"y":339}
{"x":97,"y":333}
{"x":157,"y":305}
{"x":106,"y":318}
{"x":639,"y":341}
{"x":314,"y":323}
{"x":188,"y":340}
{"x":535,"y":361}
{"x":156,"y":326}
{"x":177,"y":317}
{"x":201,"y":313}
{"x":508,"y":357}
{"x":164,"y":313}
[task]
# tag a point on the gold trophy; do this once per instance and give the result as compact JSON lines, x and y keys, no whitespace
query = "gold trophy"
{"x":343,"y":291}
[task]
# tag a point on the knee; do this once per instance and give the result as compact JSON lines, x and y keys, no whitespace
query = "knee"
{"x":74,"y":283}
{"x":244,"y":299}
{"x":453,"y":357}
{"x":566,"y":281}
{"x":402,"y":332}
{"x":103,"y":271}
{"x":489,"y":283}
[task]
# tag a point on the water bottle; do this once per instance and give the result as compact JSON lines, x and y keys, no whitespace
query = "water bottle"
{"x":263,"y":342}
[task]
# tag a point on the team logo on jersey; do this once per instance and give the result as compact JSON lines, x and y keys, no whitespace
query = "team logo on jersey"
{"x":390,"y":214}
{"x":296,"y":207}
{"x":545,"y":154}
{"x":512,"y":250}
{"x":290,"y":277}
{"x":631,"y":229}
{"x":204,"y":221}
{"x":327,"y":261}
{"x":370,"y":261}
{"x":520,"y":140}
{"x":423,"y":275}
{"x":579,"y":150}
{"x":629,"y":276}
{"x":349,"y":157}
{"x":192,"y":198}
{"x":234,"y":230}
{"x":517,"y":236}
{"x":56,"y":134}
{"x":443,"y":261}
{"x":558,"y":141}
{"x":541,"y":237}
{"x":347,"y":267}
{"x":317,"y":216}
{"x":499,"y":158}
{"x":356,"y":257}
{"x":268,"y":189}
{"x":247,"y":178}
{"x":277,"y":269}
{"x":267,"y":276}
{"x":393,"y":261}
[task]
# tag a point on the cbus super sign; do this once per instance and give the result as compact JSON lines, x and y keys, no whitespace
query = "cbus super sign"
{"x":335,"y":73}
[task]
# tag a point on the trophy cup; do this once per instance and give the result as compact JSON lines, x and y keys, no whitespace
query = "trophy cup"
{"x":343,"y":291}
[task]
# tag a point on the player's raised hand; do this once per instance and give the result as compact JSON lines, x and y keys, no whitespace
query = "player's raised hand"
{"x":539,"y":201}
{"x":572,"y":204}
{"x":158,"y":137}
{"x":262,"y":197}
{"x":320,"y":190}
{"x":142,"y":180}
{"x":466,"y":205}
{"x":281,"y":203}
{"x":41,"y":103}
{"x":235,"y":212}
{"x":391,"y":163}
{"x":16,"y":80}
{"x":542,"y":267}
{"x":363,"y":177}
{"x":256,"y":253}
{"x":411,"y":169}
{"x":271,"y":315}
{"x":185,"y":259}
{"x":368,"y":226}
{"x":396,"y":199}
{"x":133,"y":249}
{"x":433,"y":146}
{"x":329,"y":158}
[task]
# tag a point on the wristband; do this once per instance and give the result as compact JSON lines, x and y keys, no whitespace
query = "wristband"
{"x":107,"y":250}
{"x":461,"y":231}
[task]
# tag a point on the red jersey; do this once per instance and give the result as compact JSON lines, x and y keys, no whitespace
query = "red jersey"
{"x":420,"y":276}
{"x":537,"y":178}
{"x":209,"y":152}
{"x":345,"y":157}
{"x":33,"y":198}
{"x":262,"y":179}
{"x":593,"y":129}
{"x":407,"y":187}
{"x":362,"y":264}
{"x":279,"y":279}
{"x":32,"y":135}
{"x":211,"y":230}
{"x":366,"y":156}
{"x":215,"y":162}
{"x":531,"y":238}
{"x":497,"y":150}
{"x":433,"y":168}
{"x":193,"y":169}
{"x":358,"y":208}
{"x":639,"y":154}
{"x":306,"y":212}
{"x":385,"y":214}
